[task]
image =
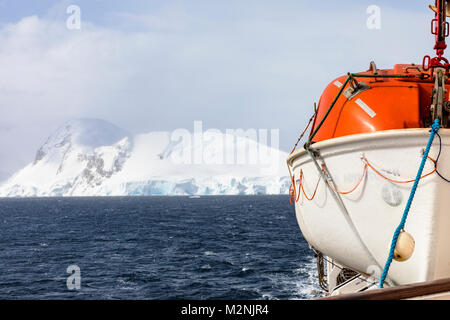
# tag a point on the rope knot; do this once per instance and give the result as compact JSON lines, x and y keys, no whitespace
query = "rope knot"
{"x":435,"y":126}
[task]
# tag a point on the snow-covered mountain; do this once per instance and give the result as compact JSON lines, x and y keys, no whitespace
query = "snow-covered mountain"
{"x":90,"y":157}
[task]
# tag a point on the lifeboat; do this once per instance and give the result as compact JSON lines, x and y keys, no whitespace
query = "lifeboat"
{"x":357,"y":177}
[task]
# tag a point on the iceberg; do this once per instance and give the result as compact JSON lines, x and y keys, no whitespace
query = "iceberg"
{"x":91,"y":157}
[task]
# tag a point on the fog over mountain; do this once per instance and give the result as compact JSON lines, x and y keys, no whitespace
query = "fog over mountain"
{"x":91,"y":157}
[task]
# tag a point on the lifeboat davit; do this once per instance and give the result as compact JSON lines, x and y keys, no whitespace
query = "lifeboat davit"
{"x":352,"y":180}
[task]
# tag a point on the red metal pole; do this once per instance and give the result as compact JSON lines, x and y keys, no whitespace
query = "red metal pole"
{"x":440,"y":27}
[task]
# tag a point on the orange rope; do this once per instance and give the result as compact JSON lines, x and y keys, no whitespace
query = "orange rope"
{"x":399,"y":181}
{"x":291,"y":196}
{"x":294,"y":191}
{"x":315,"y":190}
{"x":294,"y":196}
{"x":355,"y":187}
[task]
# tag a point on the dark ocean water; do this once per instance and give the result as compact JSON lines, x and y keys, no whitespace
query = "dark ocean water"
{"x":236,"y":247}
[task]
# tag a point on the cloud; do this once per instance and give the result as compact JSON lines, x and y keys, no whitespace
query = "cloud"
{"x":234,"y":65}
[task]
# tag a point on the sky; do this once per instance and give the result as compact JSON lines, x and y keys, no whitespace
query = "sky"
{"x":148,"y":65}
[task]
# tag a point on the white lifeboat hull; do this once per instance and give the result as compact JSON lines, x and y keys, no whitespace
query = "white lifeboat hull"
{"x":358,"y":232}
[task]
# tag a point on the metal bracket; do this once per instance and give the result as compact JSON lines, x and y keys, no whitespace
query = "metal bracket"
{"x":439,"y":107}
{"x":355,"y":88}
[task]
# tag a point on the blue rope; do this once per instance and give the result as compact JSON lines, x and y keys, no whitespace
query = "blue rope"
{"x":434,"y":130}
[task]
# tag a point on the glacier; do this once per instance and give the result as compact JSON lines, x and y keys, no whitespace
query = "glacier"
{"x":92,"y":157}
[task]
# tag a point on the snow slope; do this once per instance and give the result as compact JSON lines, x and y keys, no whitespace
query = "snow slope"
{"x":90,"y":157}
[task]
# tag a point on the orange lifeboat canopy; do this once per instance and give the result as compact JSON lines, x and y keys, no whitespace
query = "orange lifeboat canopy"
{"x":375,"y":103}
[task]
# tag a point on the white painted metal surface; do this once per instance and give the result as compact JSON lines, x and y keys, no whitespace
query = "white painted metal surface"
{"x":376,"y":206}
